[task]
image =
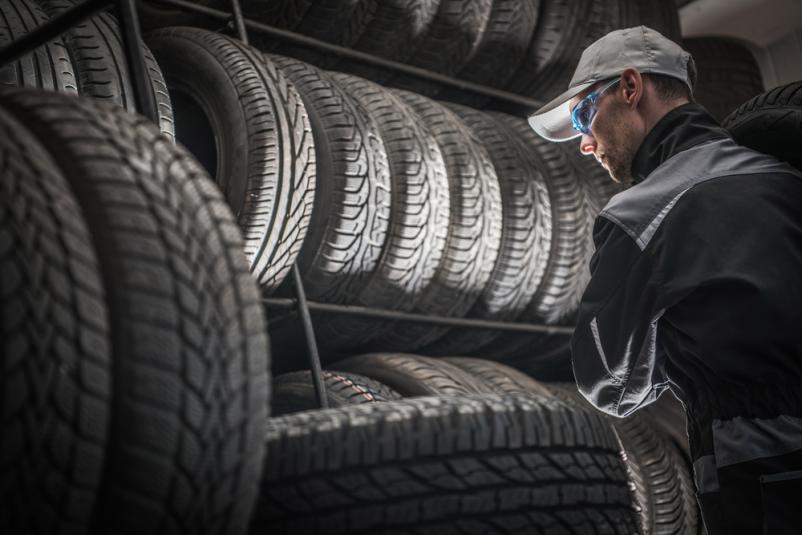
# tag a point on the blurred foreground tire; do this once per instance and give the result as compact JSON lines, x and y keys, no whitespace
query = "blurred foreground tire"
{"x":483,"y":465}
{"x":190,"y":363}
{"x":55,"y":385}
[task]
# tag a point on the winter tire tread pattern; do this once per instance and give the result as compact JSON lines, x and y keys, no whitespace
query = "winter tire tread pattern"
{"x":189,"y":390}
{"x":478,"y":464}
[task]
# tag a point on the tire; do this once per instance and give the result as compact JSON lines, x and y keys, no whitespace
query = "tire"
{"x":419,"y":215}
{"x":504,"y":43}
{"x":351,"y":212}
{"x":98,"y":55}
{"x":54,"y":346}
{"x":728,"y":74}
{"x":184,"y":449}
{"x":394,"y":29}
{"x":414,"y":375}
{"x":339,"y":22}
{"x":770,"y":123}
{"x":501,"y":379}
{"x":448,"y":44}
{"x":248,"y":126}
{"x":660,"y":480}
{"x":480,"y":465}
{"x":47,"y":67}
{"x":474,"y":234}
{"x":294,"y":391}
{"x":557,"y":43}
{"x":525,"y":235}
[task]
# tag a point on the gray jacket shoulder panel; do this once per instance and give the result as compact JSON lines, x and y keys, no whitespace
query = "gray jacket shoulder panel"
{"x":640,"y":209}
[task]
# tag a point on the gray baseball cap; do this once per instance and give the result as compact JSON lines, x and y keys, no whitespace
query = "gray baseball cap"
{"x":640,"y":48}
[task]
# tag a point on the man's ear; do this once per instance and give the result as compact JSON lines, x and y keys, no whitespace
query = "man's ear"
{"x":632,"y":86}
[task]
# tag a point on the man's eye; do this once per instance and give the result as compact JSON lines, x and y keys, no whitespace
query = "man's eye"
{"x":582,"y":113}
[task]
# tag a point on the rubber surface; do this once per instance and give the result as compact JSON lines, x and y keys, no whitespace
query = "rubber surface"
{"x":351,"y":214}
{"x":55,"y":348}
{"x":244,"y":120}
{"x":474,"y":233}
{"x":98,"y":55}
{"x":190,"y":369}
{"x":525,"y":234}
{"x":294,"y":391}
{"x":414,"y":375}
{"x":481,"y":465}
{"x":660,"y":478}
{"x":47,"y":67}
{"x":500,"y":378}
{"x":728,"y":74}
{"x":419,"y":215}
{"x":771,"y":123}
{"x":503,"y":46}
{"x":449,"y":43}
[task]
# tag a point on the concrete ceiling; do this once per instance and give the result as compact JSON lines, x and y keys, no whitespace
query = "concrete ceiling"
{"x":760,"y":22}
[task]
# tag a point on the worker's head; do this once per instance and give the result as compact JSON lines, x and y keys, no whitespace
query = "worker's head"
{"x":624,"y":83}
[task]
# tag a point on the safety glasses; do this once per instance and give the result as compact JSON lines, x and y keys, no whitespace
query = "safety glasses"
{"x":585,"y":110}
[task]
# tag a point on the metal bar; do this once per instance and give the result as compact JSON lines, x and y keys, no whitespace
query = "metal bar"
{"x":357,"y":55}
{"x":349,"y":310}
{"x":132,"y":39}
{"x":239,"y":21}
{"x":52,"y":29}
{"x":309,"y":333}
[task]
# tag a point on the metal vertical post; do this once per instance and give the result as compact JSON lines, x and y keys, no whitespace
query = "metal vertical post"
{"x":303,"y":307}
{"x":132,"y":39}
{"x":311,"y":343}
{"x":239,"y":21}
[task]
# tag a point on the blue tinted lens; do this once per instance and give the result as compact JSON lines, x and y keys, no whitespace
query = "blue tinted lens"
{"x":581,"y":115}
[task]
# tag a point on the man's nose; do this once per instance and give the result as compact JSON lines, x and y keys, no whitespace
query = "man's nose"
{"x":587,"y":145}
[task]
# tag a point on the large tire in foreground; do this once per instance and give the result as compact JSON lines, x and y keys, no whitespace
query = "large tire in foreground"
{"x":414,"y":375}
{"x":47,"y":67}
{"x":480,"y":465}
{"x":247,"y":124}
{"x":98,"y":55}
{"x":295,"y":392}
{"x":189,"y":386}
{"x":659,"y":476}
{"x":771,"y":123}
{"x":728,"y":74}
{"x":55,"y":353}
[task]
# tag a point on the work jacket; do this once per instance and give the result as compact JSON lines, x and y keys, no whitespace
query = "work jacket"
{"x":697,"y":286}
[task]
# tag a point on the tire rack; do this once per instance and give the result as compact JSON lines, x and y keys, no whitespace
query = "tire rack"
{"x":132,"y":35}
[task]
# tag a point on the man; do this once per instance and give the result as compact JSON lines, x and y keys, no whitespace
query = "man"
{"x":697,"y":277}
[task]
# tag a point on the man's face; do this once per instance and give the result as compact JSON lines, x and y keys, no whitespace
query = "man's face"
{"x":612,"y":139}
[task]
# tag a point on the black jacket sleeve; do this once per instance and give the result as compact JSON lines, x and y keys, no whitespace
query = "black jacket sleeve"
{"x":617,"y":361}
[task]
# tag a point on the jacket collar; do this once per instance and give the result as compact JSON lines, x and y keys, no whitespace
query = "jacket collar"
{"x":680,"y":129}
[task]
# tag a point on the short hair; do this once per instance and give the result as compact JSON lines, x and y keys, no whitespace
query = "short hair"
{"x":671,"y":88}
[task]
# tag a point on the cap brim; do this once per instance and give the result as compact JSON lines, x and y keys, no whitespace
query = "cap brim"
{"x":553,"y":121}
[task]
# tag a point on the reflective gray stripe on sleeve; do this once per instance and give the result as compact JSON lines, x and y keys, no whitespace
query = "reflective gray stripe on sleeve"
{"x":741,"y":439}
{"x":705,"y":474}
{"x":641,"y":209}
{"x":613,"y":375}
{"x":648,"y":372}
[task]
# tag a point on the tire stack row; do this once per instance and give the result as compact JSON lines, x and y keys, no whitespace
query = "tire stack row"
{"x":656,"y":480}
{"x":524,"y":46}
